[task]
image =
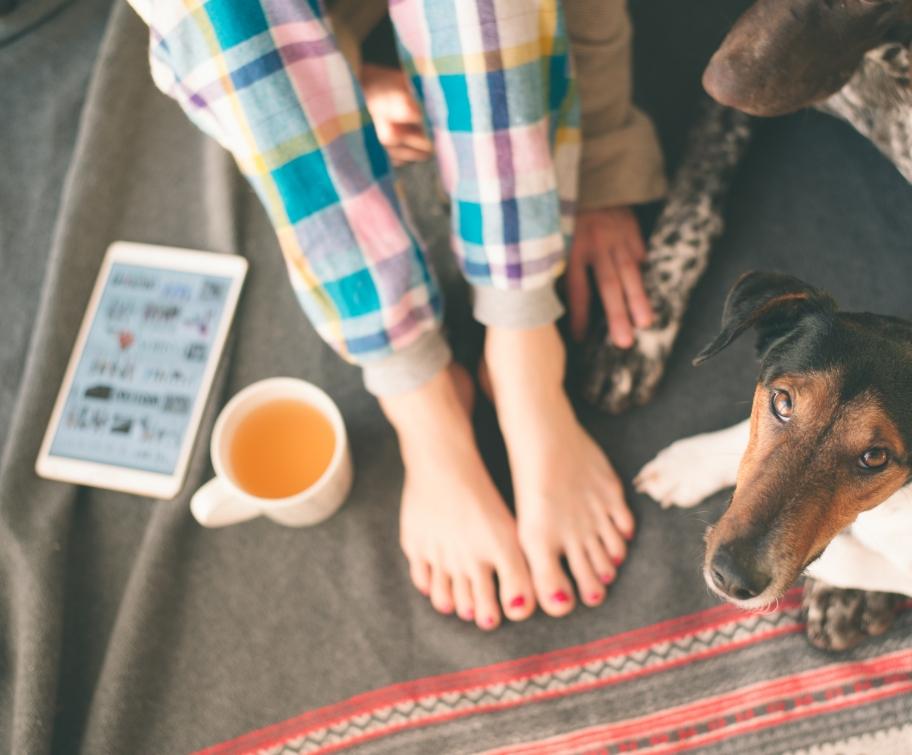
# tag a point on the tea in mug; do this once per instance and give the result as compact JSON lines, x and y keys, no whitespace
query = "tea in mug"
{"x":281,"y":448}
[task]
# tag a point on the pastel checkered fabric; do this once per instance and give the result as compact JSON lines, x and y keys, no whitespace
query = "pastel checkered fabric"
{"x":495,"y":80}
{"x":266,"y":79}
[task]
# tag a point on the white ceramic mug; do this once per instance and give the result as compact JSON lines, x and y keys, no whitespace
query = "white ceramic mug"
{"x":221,"y":501}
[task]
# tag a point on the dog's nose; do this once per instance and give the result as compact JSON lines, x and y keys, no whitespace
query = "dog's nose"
{"x":733,"y":578}
{"x":720,"y":82}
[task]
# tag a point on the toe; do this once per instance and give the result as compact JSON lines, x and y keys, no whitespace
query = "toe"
{"x":590,"y":587}
{"x":441,"y":591}
{"x":618,"y":511}
{"x":517,"y":595}
{"x":614,"y":543}
{"x":487,"y":613}
{"x":421,"y":575}
{"x":601,"y":560}
{"x":462,"y":596}
{"x":552,"y":588}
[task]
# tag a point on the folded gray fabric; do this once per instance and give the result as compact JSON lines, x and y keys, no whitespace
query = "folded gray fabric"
{"x":126,"y":627}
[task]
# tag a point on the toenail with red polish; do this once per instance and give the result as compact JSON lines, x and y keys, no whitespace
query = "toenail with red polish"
{"x":468,"y":615}
{"x":490,"y":621}
{"x":518,"y":602}
{"x":560,"y":597}
{"x":617,"y":560}
{"x":607,"y":579}
{"x":596,"y":597}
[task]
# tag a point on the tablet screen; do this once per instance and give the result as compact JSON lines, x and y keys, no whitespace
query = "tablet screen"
{"x":142,"y":366}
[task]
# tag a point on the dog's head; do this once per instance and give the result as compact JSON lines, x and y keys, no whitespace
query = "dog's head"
{"x":783,"y":55}
{"x":830,"y":436}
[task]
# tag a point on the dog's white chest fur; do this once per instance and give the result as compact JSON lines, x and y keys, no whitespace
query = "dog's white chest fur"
{"x":875,"y":553}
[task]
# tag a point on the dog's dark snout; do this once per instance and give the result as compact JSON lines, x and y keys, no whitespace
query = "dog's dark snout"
{"x":733,"y":577}
{"x":720,"y":82}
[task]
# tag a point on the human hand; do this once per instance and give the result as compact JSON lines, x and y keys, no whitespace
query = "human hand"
{"x":609,"y":242}
{"x":396,"y":114}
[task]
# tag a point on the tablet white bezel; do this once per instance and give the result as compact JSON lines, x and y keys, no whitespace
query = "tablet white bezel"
{"x":126,"y":479}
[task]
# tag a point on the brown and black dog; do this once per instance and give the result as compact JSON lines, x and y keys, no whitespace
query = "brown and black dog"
{"x":784,"y":55}
{"x":824,"y":458}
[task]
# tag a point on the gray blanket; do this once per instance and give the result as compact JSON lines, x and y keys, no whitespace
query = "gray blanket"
{"x":127,"y":628}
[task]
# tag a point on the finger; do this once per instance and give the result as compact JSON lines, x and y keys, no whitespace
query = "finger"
{"x":409,"y":102}
{"x":634,"y":293}
{"x":579,"y":297}
{"x":384,"y":130}
{"x":411,"y":135}
{"x":612,"y":293}
{"x":409,"y":111}
{"x":636,"y":245}
{"x":399,"y":155}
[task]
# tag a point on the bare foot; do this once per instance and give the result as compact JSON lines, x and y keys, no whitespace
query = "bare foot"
{"x":455,"y":529}
{"x":569,"y":501}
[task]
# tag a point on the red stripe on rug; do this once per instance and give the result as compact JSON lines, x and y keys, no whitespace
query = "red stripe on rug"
{"x":440,"y":718}
{"x":794,"y":715}
{"x":519,"y":669}
{"x":894,"y":668}
{"x":497,"y":674}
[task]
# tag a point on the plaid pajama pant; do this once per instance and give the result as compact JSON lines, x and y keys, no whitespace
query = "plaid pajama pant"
{"x":267,"y":80}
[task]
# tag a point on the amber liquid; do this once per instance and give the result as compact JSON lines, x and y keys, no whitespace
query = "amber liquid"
{"x":281,"y":448}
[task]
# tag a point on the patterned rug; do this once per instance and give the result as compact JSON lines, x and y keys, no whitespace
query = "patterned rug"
{"x":699,"y":666}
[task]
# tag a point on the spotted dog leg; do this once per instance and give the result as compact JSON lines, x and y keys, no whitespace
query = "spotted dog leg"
{"x":677,"y":253}
{"x":839,"y":619}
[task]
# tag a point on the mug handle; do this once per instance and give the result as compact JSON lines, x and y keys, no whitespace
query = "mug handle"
{"x":213,"y":505}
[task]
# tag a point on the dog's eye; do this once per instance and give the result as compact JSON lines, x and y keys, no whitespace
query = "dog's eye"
{"x":781,"y":405}
{"x":874,"y":458}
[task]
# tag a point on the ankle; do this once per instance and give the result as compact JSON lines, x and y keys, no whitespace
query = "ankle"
{"x":526,"y":362}
{"x":436,"y":406}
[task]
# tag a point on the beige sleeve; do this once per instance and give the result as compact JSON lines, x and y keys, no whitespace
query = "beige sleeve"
{"x":621,"y":161}
{"x":352,"y":21}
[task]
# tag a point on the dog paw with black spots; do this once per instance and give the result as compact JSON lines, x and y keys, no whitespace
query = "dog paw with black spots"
{"x":677,"y":253}
{"x":618,"y":379}
{"x":839,"y":619}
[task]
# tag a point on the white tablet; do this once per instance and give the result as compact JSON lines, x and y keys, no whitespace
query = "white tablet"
{"x":128,"y":411}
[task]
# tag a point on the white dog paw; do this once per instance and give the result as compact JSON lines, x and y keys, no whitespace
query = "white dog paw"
{"x":682,"y":475}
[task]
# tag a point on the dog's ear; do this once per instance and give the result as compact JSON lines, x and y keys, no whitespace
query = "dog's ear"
{"x":772,"y":303}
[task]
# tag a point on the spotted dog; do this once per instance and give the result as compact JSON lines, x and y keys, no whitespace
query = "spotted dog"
{"x":851,"y":59}
{"x":877,"y":101}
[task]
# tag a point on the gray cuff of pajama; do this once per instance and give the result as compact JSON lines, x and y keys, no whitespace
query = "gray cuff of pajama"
{"x":409,"y":368}
{"x":514,"y":308}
